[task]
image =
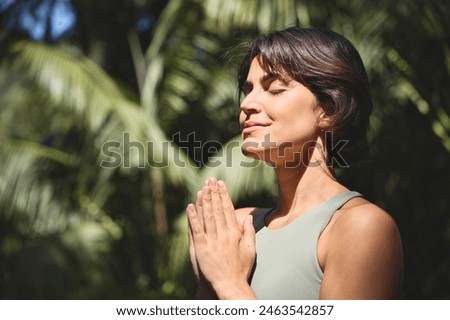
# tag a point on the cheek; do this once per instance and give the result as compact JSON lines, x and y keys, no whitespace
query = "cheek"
{"x":297,"y":126}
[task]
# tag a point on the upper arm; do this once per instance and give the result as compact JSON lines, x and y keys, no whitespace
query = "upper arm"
{"x":363,"y":256}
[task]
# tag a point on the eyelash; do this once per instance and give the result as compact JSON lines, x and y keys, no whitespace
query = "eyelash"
{"x":272,"y":91}
{"x":276,"y":91}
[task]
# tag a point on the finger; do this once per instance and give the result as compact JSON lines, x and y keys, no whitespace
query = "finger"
{"x":248,"y":245}
{"x":196,"y":228}
{"x":199,"y":207}
{"x":249,"y":236}
{"x":190,"y":235}
{"x":216,"y":203}
{"x":208,"y":214}
{"x":228,"y":207}
{"x":192,"y":255}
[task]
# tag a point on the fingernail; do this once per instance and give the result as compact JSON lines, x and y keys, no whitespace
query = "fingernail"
{"x":221,"y":184}
{"x":206,"y":190}
{"x":213,"y":181}
{"x":190,"y":207}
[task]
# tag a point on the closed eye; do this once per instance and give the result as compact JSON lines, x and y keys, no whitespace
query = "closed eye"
{"x":276,"y":85}
{"x":276,"y":91}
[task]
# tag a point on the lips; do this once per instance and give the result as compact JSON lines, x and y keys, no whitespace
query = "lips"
{"x":252,"y":126}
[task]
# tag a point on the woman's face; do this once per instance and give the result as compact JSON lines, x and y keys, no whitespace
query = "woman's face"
{"x":279,"y":117}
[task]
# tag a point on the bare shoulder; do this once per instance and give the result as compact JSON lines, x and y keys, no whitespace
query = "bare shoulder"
{"x":360,"y":217}
{"x":362,"y":225}
{"x":363,"y":256}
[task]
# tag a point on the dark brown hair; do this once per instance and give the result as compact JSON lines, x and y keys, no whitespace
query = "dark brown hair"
{"x":328,"y":65}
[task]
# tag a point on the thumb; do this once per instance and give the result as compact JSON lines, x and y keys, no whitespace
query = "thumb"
{"x":249,"y":237}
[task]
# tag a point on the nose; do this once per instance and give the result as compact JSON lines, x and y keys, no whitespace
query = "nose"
{"x":250,"y":104}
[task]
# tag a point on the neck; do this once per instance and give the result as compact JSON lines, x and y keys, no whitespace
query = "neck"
{"x":303,"y":187}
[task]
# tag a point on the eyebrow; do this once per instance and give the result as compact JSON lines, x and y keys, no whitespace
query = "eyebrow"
{"x":271,"y":76}
{"x":266,"y":78}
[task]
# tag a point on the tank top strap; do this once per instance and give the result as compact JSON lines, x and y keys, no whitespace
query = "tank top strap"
{"x":334,"y":204}
{"x":326,"y":209}
{"x":259,"y":220}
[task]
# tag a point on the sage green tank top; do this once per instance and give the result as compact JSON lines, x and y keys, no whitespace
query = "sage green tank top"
{"x":286,"y":266}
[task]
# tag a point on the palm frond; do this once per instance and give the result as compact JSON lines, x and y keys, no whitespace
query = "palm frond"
{"x":40,"y":150}
{"x":262,"y":15}
{"x":178,"y":266}
{"x":25,"y":199}
{"x":86,"y":91}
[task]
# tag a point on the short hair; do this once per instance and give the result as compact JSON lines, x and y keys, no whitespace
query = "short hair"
{"x":331,"y":68}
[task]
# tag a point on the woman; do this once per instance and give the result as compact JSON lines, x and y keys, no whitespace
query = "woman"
{"x":305,"y":111}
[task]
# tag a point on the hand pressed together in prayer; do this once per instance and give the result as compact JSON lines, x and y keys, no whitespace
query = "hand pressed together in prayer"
{"x":221,"y":246}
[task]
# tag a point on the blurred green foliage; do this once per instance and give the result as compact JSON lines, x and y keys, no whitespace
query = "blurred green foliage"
{"x":162,"y":70}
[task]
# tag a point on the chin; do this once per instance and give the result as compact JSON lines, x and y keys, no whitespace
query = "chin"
{"x":252,"y":152}
{"x":258,"y":154}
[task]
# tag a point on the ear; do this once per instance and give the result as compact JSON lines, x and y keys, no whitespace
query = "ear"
{"x":323,"y":121}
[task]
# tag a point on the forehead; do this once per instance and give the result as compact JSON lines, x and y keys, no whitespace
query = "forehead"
{"x":260,"y":70}
{"x":255,"y":69}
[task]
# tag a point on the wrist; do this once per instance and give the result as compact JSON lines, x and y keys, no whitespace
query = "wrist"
{"x":234,"y":291}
